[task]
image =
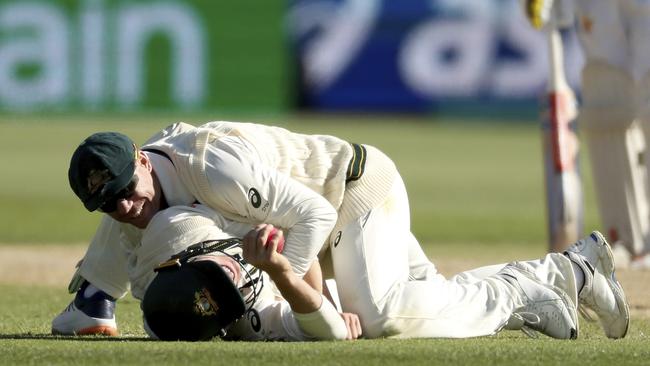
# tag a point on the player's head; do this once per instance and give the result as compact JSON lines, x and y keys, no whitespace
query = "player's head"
{"x":110,"y":174}
{"x":200,"y":291}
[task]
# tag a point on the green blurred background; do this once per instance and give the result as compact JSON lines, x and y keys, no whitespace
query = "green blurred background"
{"x":144,"y":55}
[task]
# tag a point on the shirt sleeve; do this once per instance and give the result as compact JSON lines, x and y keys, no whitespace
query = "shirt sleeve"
{"x":323,"y":324}
{"x":259,"y":193}
{"x":275,"y":321}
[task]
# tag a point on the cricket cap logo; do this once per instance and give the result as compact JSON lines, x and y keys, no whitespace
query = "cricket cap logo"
{"x":101,"y":166}
{"x":193,"y":298}
{"x":96,"y":179}
{"x":204,"y":305}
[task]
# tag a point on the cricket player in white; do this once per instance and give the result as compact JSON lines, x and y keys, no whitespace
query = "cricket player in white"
{"x":271,"y":316}
{"x":344,"y":201}
{"x":615,"y":113}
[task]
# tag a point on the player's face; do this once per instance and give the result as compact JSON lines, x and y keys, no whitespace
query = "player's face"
{"x":229,"y":265}
{"x":145,"y":200}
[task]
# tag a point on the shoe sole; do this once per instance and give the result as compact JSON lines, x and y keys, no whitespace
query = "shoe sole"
{"x":615,"y":286}
{"x":100,"y":330}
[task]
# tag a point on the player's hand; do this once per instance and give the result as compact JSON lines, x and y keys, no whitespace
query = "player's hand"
{"x":538,"y":12}
{"x":353,"y":324}
{"x":260,"y":249}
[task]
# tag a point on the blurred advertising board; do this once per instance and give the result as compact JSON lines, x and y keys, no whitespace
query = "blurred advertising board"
{"x":156,"y":54}
{"x":419,"y":55}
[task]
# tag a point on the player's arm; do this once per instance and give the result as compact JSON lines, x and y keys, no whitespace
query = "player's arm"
{"x":542,"y":12}
{"x":262,"y":194}
{"x":262,"y":253}
{"x":352,"y":321}
{"x":316,"y":316}
{"x":314,"y":277}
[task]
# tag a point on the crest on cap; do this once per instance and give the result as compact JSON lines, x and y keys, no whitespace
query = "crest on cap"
{"x":96,"y":179}
{"x":204,"y":305}
{"x":101,"y":166}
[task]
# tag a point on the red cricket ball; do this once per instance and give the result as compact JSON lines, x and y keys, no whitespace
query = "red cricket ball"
{"x":280,"y":247}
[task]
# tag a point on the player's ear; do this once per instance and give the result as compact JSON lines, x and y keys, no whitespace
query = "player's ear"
{"x":144,"y":160}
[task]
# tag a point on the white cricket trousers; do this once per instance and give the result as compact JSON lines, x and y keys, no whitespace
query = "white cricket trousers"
{"x":378,"y":267}
{"x":105,"y":262}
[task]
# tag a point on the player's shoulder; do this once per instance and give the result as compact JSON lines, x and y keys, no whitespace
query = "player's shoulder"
{"x":173,"y":129}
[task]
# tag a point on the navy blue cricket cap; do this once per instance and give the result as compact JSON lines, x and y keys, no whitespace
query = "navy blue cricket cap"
{"x":101,"y":166}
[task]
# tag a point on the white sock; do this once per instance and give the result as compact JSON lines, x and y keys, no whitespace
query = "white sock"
{"x":579,"y":275}
{"x":90,"y":290}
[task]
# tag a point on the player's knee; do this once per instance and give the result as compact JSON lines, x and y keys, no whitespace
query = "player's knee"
{"x":609,"y":98}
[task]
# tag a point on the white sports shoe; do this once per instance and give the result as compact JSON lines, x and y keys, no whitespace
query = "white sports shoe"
{"x":601,"y":292}
{"x":94,"y":315}
{"x":547,"y":309}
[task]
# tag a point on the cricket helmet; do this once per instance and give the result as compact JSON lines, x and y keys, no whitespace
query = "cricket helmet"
{"x":194,"y":300}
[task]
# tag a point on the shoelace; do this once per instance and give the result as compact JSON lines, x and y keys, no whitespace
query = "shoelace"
{"x":70,"y":307}
{"x":528,"y":319}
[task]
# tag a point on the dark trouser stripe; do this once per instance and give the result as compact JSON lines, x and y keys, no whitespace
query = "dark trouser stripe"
{"x":357,"y":163}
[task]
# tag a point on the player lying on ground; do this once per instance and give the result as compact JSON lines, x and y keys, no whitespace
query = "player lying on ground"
{"x":239,"y":290}
{"x":347,"y":202}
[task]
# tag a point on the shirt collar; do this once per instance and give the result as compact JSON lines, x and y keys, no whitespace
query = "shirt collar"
{"x":173,"y":188}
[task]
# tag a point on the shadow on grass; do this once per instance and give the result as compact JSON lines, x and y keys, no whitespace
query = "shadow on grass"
{"x":50,"y":337}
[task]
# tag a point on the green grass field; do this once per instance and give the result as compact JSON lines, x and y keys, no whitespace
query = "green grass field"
{"x":476,"y":194}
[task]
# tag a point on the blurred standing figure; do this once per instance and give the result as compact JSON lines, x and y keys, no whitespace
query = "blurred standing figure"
{"x":615,"y":112}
